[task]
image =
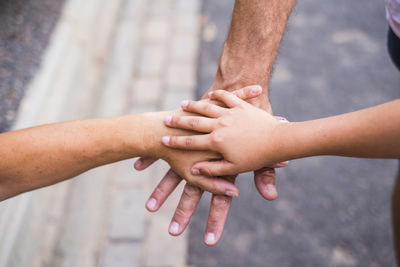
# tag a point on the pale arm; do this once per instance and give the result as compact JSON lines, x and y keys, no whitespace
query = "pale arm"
{"x":368,"y":133}
{"x":248,"y":138}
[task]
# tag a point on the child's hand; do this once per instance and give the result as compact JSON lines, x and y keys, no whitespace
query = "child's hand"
{"x":245,"y":136}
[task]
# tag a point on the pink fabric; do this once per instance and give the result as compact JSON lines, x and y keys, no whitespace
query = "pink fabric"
{"x":393,"y":15}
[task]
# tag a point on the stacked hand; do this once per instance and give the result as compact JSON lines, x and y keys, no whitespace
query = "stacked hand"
{"x":234,"y":131}
{"x":225,"y":168}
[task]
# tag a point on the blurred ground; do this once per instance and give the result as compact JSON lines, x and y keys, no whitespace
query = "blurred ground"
{"x":330,"y":211}
{"x":26,"y":26}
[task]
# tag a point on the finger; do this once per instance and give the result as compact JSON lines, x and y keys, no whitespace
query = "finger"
{"x":187,"y":205}
{"x":214,"y":168}
{"x":214,"y":185}
{"x":229,"y":99}
{"x":194,"y":142}
{"x":265,"y":181}
{"x":203,"y":108}
{"x":248,"y":92}
{"x":166,"y":186}
{"x":219,"y":209}
{"x":194,"y":123}
{"x":143,"y":163}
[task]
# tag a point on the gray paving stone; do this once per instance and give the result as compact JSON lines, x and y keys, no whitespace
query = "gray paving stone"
{"x":184,"y":47}
{"x":157,"y":29}
{"x":146,"y":91}
{"x":142,"y":108}
{"x":181,"y":75}
{"x":191,"y":7}
{"x":173,"y":99}
{"x":121,"y":255}
{"x":158,"y":239}
{"x":127,"y":178}
{"x":161,"y":8}
{"x":128,"y":215}
{"x":152,"y":59}
{"x":187,"y":23}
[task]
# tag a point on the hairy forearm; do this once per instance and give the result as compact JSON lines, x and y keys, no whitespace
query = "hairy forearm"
{"x":40,"y":156}
{"x":371,"y":133}
{"x":252,"y":43}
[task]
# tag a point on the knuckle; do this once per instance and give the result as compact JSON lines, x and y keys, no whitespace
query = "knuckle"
{"x":220,"y":201}
{"x":172,"y":140}
{"x":171,"y":174}
{"x":194,"y":122}
{"x":181,"y":215}
{"x":188,"y":141}
{"x":241,"y":94}
{"x":206,"y":107}
{"x":191,"y":191}
{"x":175,"y":121}
{"x":266,"y":173}
{"x":213,"y":222}
{"x":159,"y":191}
{"x":216,"y":138}
{"x":207,"y":171}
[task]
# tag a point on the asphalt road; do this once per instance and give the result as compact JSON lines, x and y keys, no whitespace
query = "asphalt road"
{"x":25,"y":28}
{"x":331,"y":211}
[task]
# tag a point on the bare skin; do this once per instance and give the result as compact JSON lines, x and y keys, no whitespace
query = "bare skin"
{"x":260,"y":140}
{"x":40,"y":156}
{"x":247,"y":58}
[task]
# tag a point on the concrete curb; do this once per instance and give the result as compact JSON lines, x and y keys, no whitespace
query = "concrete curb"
{"x":97,"y":51}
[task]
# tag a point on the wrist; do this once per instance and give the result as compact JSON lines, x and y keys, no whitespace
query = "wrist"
{"x":151,"y":129}
{"x":134,"y":135}
{"x":237,"y":70}
{"x":238,"y":67}
{"x":298,"y":141}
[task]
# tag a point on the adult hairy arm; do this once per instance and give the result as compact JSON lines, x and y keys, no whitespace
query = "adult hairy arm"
{"x":247,"y":58}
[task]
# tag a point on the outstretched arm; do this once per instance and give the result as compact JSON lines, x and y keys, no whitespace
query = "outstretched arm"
{"x":248,"y":138}
{"x":36,"y":157}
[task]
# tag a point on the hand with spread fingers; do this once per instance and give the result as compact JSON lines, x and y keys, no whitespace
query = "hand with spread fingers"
{"x":191,"y":195}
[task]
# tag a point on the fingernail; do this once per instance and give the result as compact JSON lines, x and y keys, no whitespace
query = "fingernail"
{"x":168,"y":119}
{"x":271,"y":188}
{"x":210,"y":239}
{"x":210,"y":94}
{"x":138,"y":164}
{"x":195,"y":171}
{"x":151,"y":204}
{"x":165,"y":140}
{"x":185,"y":103}
{"x":283,"y":164}
{"x":230,"y":193}
{"x":174,"y":228}
{"x":256,"y":90}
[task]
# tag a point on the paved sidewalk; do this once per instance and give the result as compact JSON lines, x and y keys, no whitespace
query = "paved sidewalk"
{"x":105,"y":58}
